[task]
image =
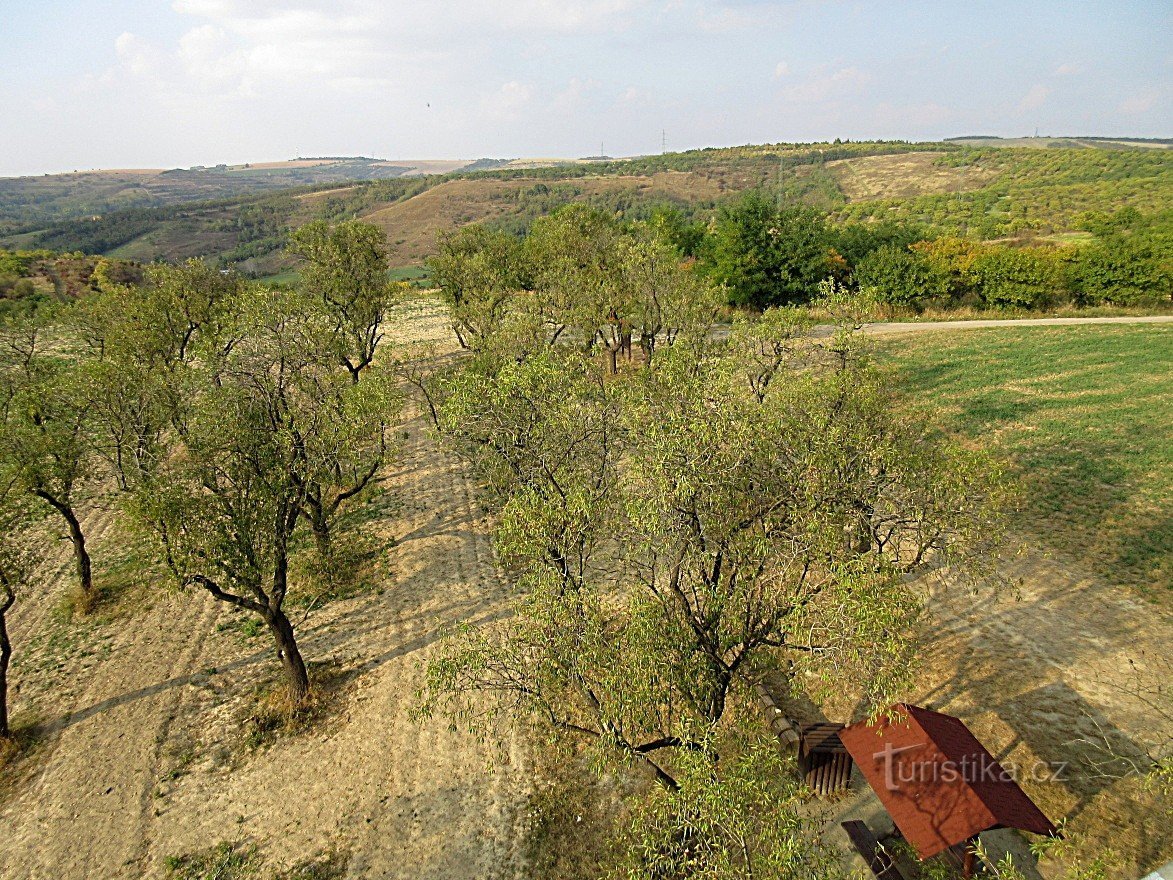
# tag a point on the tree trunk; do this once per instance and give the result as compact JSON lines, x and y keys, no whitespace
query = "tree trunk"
{"x":84,"y":568}
{"x":611,"y":364}
{"x":80,"y":554}
{"x":5,"y":656}
{"x":296,"y":678}
{"x":321,"y":527}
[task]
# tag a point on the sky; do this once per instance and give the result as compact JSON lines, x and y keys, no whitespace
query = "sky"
{"x":175,"y":83}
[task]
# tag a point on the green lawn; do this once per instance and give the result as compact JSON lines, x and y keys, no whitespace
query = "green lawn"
{"x":1086,"y":414}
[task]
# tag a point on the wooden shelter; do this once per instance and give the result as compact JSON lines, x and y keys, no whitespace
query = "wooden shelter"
{"x":941,"y":786}
{"x":822,"y":759}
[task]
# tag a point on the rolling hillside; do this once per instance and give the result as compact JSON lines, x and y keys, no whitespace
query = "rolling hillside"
{"x":239,"y":216}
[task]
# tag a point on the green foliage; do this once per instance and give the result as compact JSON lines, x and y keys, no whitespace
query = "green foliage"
{"x":753,"y":531}
{"x":578,"y":272}
{"x":1125,"y":268}
{"x":902,"y":277}
{"x":768,"y":256}
{"x":1033,"y":189}
{"x":346,"y":270}
{"x":479,"y":271}
{"x":1026,"y":278}
{"x":740,"y":819}
{"x":224,"y":861}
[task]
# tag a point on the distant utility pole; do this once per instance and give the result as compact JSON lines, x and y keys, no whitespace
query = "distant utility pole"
{"x":663,"y":141}
{"x":602,"y":152}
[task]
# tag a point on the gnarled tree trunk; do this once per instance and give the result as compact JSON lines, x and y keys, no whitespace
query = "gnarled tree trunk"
{"x":5,"y":656}
{"x":297,"y":680}
{"x":76,"y":536}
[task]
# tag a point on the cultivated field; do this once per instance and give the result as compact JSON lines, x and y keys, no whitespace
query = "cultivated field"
{"x":1085,"y":414}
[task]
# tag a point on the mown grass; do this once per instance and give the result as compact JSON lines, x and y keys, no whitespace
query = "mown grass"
{"x":1086,"y":415}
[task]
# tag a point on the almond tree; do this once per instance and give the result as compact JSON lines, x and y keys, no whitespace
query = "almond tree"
{"x":750,"y":536}
{"x":480,"y":273}
{"x":135,"y":342}
{"x":345,"y":270}
{"x":46,"y":440}
{"x":267,"y":415}
{"x":344,"y":275}
{"x":20,"y":551}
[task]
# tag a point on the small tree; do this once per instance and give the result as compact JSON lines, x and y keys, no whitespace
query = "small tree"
{"x":47,"y":443}
{"x":576,"y":277}
{"x":19,"y":555}
{"x":765,"y":346}
{"x":666,"y":296}
{"x":480,"y":272}
{"x":136,"y":341}
{"x":264,"y":421}
{"x":345,"y":270}
{"x":345,"y":277}
{"x":767,"y":256}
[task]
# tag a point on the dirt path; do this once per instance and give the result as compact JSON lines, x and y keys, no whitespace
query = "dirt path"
{"x":141,"y":720}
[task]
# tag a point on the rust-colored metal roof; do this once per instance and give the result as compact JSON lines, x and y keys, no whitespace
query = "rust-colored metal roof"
{"x":935,"y":779}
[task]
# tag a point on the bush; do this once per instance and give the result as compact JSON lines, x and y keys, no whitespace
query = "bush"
{"x":1028,"y":278}
{"x":902,"y":277}
{"x":1122,"y":271}
{"x":769,"y":256}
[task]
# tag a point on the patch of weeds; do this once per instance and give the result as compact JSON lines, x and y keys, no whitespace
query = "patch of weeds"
{"x":331,"y":866}
{"x":127,"y":581}
{"x":62,"y":643}
{"x":224,"y":861}
{"x":272,"y":716}
{"x":572,"y":816}
{"x":356,"y":565}
{"x":184,"y":759}
{"x":247,"y":626}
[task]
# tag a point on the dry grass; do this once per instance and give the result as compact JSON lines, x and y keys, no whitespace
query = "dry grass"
{"x":904,"y":176}
{"x":411,"y":226}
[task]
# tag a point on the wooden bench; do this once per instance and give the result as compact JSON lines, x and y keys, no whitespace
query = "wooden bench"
{"x":866,"y":844}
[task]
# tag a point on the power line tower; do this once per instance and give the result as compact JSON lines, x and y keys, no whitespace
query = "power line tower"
{"x":663,"y":141}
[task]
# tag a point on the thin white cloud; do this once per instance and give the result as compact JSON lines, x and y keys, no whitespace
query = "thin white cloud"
{"x":845,"y":81}
{"x":781,"y":69}
{"x":1135,"y":105}
{"x":1034,"y":99}
{"x":507,"y":101}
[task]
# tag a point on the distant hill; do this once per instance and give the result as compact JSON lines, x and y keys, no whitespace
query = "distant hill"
{"x":976,"y":187}
{"x":1088,"y":142}
{"x":27,"y":203}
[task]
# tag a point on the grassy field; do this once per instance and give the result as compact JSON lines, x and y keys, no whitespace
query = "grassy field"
{"x":1085,"y":414}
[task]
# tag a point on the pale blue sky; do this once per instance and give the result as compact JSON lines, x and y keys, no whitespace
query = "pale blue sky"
{"x":131,"y":83}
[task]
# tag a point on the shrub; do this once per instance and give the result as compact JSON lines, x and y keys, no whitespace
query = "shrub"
{"x":902,"y":277}
{"x":1028,"y":278}
{"x":1122,"y":271}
